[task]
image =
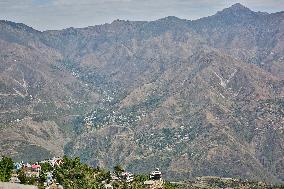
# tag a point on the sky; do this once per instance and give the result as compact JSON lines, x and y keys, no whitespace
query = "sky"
{"x":59,"y":14}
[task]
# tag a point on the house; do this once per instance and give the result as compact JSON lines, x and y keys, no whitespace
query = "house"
{"x":127,"y":176}
{"x":18,"y":166}
{"x":32,"y":174}
{"x":36,"y":168}
{"x":156,"y":175}
{"x":114,"y":177}
{"x":49,"y":178}
{"x":156,"y":181}
{"x":55,"y":161}
{"x":31,"y":170}
{"x":27,"y":166}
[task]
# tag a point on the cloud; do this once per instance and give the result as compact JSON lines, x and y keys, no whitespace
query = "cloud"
{"x":58,"y":14}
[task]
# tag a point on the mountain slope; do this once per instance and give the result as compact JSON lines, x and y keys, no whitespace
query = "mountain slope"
{"x":201,"y":97}
{"x":253,"y":37}
{"x":191,"y":113}
{"x":36,"y":95}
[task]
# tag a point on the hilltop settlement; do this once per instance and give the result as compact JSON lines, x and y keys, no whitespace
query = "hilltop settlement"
{"x":59,"y":173}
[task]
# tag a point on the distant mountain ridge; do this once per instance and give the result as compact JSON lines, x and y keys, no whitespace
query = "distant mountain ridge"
{"x":202,"y":97}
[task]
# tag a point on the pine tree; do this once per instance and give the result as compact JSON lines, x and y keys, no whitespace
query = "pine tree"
{"x":6,"y":169}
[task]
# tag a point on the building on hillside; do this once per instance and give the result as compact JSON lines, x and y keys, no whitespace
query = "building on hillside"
{"x":27,"y":166}
{"x":44,"y":161}
{"x":49,"y":179}
{"x":31,"y":170}
{"x":56,"y":161}
{"x":18,"y":166}
{"x":114,"y":176}
{"x":156,"y":175}
{"x":156,"y":181}
{"x":32,"y":174}
{"x":36,"y":168}
{"x":127,"y":176}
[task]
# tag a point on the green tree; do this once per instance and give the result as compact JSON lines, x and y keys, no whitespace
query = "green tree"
{"x":31,"y":180}
{"x":74,"y":174}
{"x":6,"y":169}
{"x":22,"y":177}
{"x":169,"y":185}
{"x":46,"y":167}
{"x":141,"y":178}
{"x":42,"y":177}
{"x":118,"y":169}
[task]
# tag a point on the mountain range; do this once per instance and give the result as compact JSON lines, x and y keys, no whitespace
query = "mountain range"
{"x":194,"y":98}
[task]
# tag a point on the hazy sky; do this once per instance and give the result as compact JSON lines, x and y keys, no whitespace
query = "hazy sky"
{"x":58,"y":14}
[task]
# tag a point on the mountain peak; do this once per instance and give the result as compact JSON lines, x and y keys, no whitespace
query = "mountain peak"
{"x":170,"y":19}
{"x":236,"y":10}
{"x":238,"y":6}
{"x":20,"y":26}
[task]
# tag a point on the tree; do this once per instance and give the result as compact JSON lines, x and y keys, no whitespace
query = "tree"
{"x":42,"y":176}
{"x":22,"y":176}
{"x":6,"y":169}
{"x":74,"y":174}
{"x":168,"y":185}
{"x":118,"y":169}
{"x":24,"y":179}
{"x":46,"y":167}
{"x":141,"y":178}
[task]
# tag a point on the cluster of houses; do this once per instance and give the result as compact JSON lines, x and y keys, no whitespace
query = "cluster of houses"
{"x":155,"y":181}
{"x":124,"y":176}
{"x":33,"y":170}
{"x":29,"y":169}
{"x":36,"y":168}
